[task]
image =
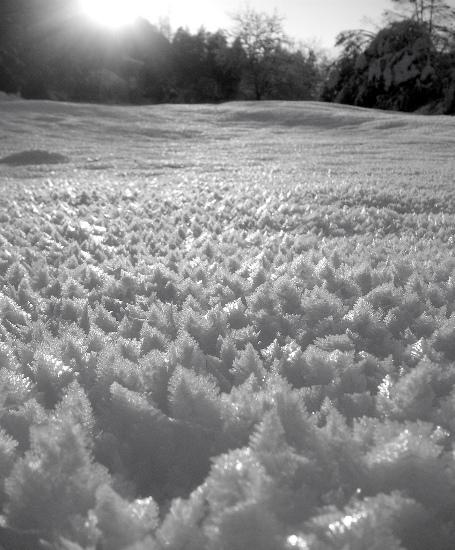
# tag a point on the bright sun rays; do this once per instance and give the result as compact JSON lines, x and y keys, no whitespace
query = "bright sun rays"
{"x":114,"y":13}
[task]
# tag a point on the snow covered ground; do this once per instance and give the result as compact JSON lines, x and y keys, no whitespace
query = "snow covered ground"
{"x":289,"y":138}
{"x":239,"y":319}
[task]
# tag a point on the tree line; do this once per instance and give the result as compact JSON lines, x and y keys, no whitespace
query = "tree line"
{"x":49,"y":50}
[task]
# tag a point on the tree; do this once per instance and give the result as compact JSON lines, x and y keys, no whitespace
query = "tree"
{"x":12,"y":33}
{"x":354,"y":41}
{"x":262,"y":38}
{"x":399,"y":68}
{"x":224,"y":65}
{"x":188,"y":55}
{"x":437,"y":15}
{"x":341,"y":84}
{"x":204,"y":67}
{"x":298,"y":76}
{"x":39,"y":45}
{"x":141,"y":56}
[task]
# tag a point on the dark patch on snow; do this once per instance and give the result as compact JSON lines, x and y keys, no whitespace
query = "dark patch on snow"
{"x":35,"y":156}
{"x":389,"y":124}
{"x":289,"y":118}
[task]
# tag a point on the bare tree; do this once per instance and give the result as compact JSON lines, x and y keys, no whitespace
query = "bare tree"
{"x":437,"y":15}
{"x":262,"y":38}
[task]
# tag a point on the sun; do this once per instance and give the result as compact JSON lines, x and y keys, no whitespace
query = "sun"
{"x":113,"y":13}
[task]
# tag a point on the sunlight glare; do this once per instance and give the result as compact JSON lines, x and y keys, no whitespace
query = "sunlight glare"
{"x":113,"y":13}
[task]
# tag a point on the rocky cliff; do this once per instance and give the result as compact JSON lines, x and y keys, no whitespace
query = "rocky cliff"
{"x":401,"y":70}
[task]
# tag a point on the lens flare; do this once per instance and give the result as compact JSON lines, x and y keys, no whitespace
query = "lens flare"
{"x":112,"y":13}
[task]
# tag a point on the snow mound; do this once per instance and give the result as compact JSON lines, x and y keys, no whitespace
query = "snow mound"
{"x":34,"y":156}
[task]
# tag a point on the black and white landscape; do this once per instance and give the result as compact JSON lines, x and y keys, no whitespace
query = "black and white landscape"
{"x":226,"y":327}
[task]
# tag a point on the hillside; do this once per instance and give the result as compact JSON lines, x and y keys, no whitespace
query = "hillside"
{"x":226,"y":327}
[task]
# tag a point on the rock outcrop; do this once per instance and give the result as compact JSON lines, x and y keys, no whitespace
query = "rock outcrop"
{"x":400,"y":70}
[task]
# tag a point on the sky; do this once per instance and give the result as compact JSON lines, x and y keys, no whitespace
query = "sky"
{"x":316,"y":21}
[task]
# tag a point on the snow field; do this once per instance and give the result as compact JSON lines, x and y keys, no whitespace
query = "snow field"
{"x":227,"y":327}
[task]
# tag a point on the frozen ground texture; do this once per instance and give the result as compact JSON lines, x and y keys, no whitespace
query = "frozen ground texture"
{"x":226,"y":327}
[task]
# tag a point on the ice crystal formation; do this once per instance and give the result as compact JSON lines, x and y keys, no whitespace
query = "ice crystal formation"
{"x":210,"y":341}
